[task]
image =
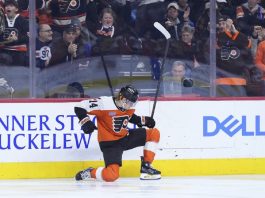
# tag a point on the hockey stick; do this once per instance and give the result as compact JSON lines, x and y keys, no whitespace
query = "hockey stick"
{"x":106,"y":72}
{"x":166,"y":34}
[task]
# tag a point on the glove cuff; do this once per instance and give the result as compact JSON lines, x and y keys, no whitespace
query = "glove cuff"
{"x":84,"y":120}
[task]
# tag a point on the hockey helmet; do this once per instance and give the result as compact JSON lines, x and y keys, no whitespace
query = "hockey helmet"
{"x":130,"y":93}
{"x":128,"y":97}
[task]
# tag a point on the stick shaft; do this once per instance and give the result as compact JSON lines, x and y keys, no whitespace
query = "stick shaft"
{"x":160,"y":79}
{"x":107,"y":74}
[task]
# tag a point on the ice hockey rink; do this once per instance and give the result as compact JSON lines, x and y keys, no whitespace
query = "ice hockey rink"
{"x":236,"y":186}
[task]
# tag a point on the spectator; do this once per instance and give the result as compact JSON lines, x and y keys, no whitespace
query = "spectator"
{"x":202,"y":30}
{"x":79,"y":30}
{"x":262,"y":3}
{"x":187,"y":49}
{"x":106,"y":28}
{"x":73,"y":90}
{"x":172,"y":23}
{"x":14,"y":38}
{"x":184,"y":10}
{"x":233,"y":59}
{"x":260,"y":57}
{"x":43,"y":42}
{"x":258,"y":35}
{"x":94,"y":8}
{"x":108,"y":33}
{"x":63,"y":11}
{"x":173,"y":80}
{"x":65,"y":49}
{"x":41,"y":11}
{"x":236,"y":3}
{"x":92,"y":15}
{"x":248,"y":15}
{"x":83,"y":38}
{"x":148,"y":11}
{"x":76,"y":90}
{"x":197,"y":8}
{"x":225,"y":8}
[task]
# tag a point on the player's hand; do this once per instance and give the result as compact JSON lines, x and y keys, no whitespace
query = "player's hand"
{"x":139,"y":124}
{"x":88,"y":127}
{"x":149,"y":122}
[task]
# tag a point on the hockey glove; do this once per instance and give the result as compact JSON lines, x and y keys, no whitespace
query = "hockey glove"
{"x":149,"y":122}
{"x":87,"y":125}
{"x":139,"y":124}
{"x":141,"y":121}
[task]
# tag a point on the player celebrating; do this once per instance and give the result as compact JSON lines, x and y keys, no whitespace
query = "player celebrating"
{"x":113,"y":115}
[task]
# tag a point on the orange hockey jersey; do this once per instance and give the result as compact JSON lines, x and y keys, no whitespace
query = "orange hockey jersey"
{"x":111,"y":122}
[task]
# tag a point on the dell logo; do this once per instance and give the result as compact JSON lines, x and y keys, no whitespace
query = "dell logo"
{"x":231,"y":126}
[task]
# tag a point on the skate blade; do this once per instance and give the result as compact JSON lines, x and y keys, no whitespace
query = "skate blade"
{"x":145,"y":176}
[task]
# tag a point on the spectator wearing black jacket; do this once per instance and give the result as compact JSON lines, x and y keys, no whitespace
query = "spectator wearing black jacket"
{"x":249,"y":15}
{"x":65,"y":49}
{"x":233,"y":58}
{"x":14,"y":39}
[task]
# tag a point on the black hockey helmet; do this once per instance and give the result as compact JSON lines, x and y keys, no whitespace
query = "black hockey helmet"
{"x":130,"y":93}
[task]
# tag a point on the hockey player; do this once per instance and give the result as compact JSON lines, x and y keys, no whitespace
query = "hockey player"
{"x":113,"y":115}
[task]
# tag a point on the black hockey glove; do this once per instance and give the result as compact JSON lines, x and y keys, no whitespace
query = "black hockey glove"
{"x":149,"y":122}
{"x":141,"y":121}
{"x":139,"y":124}
{"x":135,"y":119}
{"x":87,"y":125}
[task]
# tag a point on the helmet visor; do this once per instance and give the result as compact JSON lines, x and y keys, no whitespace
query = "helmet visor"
{"x":127,"y":104}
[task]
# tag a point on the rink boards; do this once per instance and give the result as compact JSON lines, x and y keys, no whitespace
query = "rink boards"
{"x":130,"y":168}
{"x":42,"y":139}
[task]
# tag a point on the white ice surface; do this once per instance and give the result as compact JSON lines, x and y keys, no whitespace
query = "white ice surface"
{"x":243,"y":186}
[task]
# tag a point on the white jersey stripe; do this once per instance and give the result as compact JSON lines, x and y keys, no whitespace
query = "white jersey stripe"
{"x":102,"y":103}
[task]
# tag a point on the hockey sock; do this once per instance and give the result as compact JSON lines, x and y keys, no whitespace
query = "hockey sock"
{"x":108,"y":174}
{"x":152,"y":139}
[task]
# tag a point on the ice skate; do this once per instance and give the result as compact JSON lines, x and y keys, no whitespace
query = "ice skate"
{"x":84,"y":174}
{"x":148,"y":172}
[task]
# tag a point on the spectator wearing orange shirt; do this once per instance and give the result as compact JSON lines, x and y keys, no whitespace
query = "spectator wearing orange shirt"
{"x":260,"y":57}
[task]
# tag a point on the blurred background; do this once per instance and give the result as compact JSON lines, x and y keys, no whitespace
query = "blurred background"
{"x":55,"y":48}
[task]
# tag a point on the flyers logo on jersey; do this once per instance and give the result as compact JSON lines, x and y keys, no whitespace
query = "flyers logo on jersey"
{"x":69,"y":5}
{"x":119,"y":122}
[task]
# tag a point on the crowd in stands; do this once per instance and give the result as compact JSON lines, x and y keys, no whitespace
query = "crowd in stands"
{"x":73,"y":29}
